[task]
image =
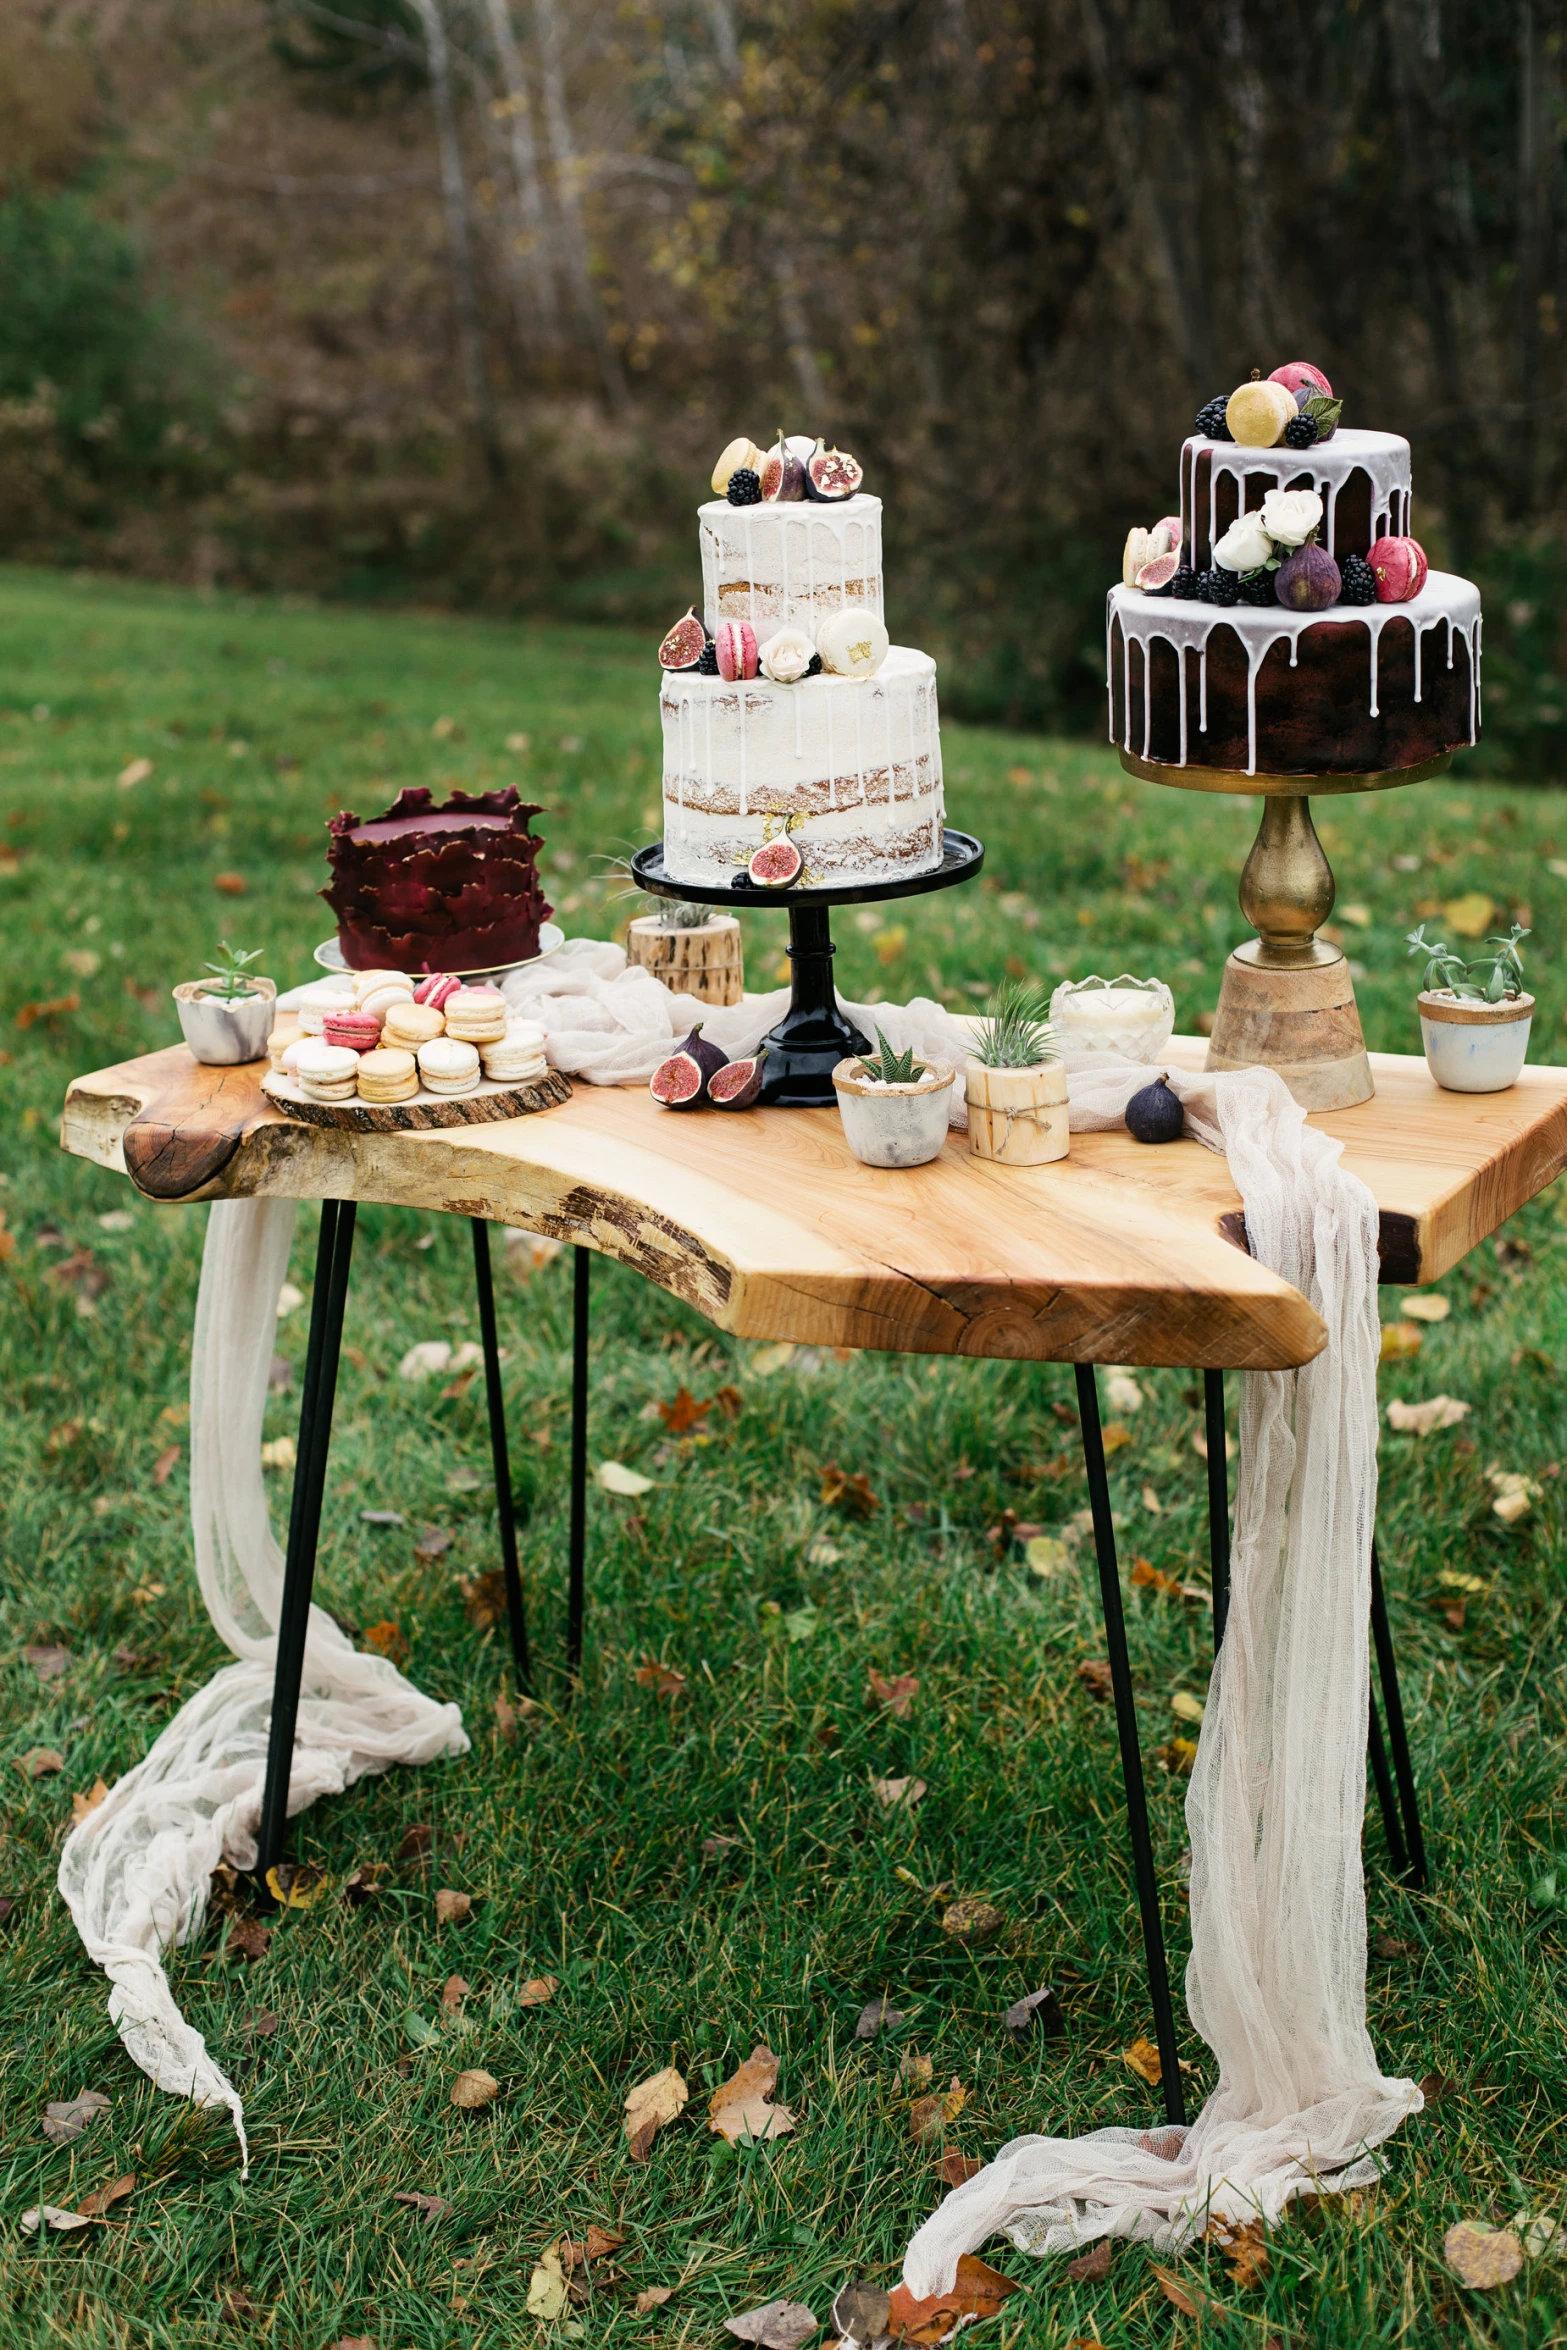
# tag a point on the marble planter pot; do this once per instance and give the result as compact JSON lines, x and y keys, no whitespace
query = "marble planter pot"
{"x":1474,"y":1048}
{"x":223,"y":1031}
{"x":894,"y":1125}
{"x":1017,"y":1117}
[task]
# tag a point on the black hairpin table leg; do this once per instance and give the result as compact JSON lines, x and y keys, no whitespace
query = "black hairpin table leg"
{"x":1218,"y":1500}
{"x":1397,"y":1735}
{"x":334,"y":1251}
{"x":576,"y":1583}
{"x":500,"y":1457}
{"x":1131,"y":1752}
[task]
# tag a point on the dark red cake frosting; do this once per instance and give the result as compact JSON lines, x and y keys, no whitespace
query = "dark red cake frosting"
{"x":426,"y":888}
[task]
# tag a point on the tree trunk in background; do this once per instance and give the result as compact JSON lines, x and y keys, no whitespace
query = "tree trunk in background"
{"x":459,"y":240}
{"x":532,"y":248}
{"x":568,"y":198}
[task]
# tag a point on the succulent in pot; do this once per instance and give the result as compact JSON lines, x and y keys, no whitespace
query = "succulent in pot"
{"x":1475,"y":1016}
{"x":227,"y":1017}
{"x":1016,"y":1083}
{"x":894,"y":1106}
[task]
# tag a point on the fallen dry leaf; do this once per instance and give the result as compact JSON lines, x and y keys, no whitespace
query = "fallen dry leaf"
{"x":247,"y":1938}
{"x":133,"y":772}
{"x":777,"y":2325}
{"x":386,"y":1639}
{"x":933,"y":2113}
{"x":235,"y":2306}
{"x":1185,"y":1707}
{"x":860,"y":2313}
{"x":47,"y":1662}
{"x":1116,"y":1433}
{"x":451,"y":1908}
{"x":971,"y":1921}
{"x":1400,"y":1340}
{"x":1427,"y":1305}
{"x":536,"y":1990}
{"x":1482,"y":2257}
{"x":429,"y":2207}
{"x":473,"y":2089}
{"x":296,"y":1884}
{"x":28,"y":1015}
{"x":1094,"y":1673}
{"x":893,"y":1791}
{"x":1190,"y":2300}
{"x":1177,"y":1756}
{"x":484,"y":1598}
{"x":231,"y":885}
{"x":847,"y":1491}
{"x":653,"y":2297}
{"x":260,"y":2024}
{"x":279,"y":1452}
{"x":742,"y":2107}
{"x":1037,"y":2011}
{"x":1046,"y":1556}
{"x":1515,"y":1494}
{"x":1541,"y":2237}
{"x":1470,"y":915}
{"x":876,"y":2015}
{"x":94,"y":2206}
{"x":977,"y":2292}
{"x":40,"y":1762}
{"x":432,"y":1543}
{"x":165,"y":1465}
{"x":81,"y":1805}
{"x":615,"y":1477}
{"x":1244,"y":2247}
{"x":661,"y":2098}
{"x":547,"y":2287}
{"x":1122,"y":1392}
{"x":417,"y":1841}
{"x":365,"y":1882}
{"x":897,"y":1694}
{"x":1144,"y":2059}
{"x":955,"y":2170}
{"x":7,"y":1907}
{"x":1151,"y":1578}
{"x":914,"y":2070}
{"x":1419,"y":1419}
{"x":685,"y":1412}
{"x":66,"y":2120}
{"x":52,"y":2216}
{"x":453,"y":1992}
{"x":712,"y":1846}
{"x":664,"y":1680}
{"x":595,"y":2245}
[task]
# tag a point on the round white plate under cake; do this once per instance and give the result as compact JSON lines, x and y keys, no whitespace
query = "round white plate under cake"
{"x":423,"y":1112}
{"x":330,"y":956}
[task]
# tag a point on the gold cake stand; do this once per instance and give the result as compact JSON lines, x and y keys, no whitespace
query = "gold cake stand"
{"x":1288,"y":1002}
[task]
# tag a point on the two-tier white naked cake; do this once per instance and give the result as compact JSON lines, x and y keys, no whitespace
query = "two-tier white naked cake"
{"x":814,"y":729}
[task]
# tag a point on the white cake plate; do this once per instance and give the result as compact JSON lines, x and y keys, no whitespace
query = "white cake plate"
{"x":330,"y":956}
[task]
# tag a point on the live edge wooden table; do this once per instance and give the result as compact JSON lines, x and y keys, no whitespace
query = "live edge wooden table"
{"x":768,"y":1226}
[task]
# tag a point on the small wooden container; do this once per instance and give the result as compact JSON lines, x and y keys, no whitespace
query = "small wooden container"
{"x":705,"y":963}
{"x":1017,"y":1116}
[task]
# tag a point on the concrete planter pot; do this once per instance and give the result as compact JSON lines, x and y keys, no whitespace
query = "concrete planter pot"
{"x":1474,"y":1048}
{"x":222,"y":1031}
{"x":1017,"y":1117}
{"x":894,"y":1125}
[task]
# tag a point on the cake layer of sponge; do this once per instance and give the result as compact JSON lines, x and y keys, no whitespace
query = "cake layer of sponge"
{"x":789,"y":564}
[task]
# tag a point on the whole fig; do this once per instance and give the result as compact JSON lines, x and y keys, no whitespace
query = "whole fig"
{"x":1155,"y":1114}
{"x":1308,"y":580}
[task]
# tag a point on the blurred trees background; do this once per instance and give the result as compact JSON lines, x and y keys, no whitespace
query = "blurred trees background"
{"x":457,"y":300}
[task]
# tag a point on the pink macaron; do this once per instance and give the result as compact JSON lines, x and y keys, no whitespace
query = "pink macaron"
{"x":436,"y":988}
{"x":360,"y":1031}
{"x":736,"y":646}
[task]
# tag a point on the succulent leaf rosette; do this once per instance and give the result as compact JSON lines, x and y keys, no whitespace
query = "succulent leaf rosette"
{"x":426,"y":888}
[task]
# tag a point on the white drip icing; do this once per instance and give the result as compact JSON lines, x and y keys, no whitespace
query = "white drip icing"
{"x":1382,"y":456}
{"x":1185,"y":627}
{"x":789,"y":564}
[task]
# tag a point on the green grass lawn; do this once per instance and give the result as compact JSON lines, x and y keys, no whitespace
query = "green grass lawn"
{"x":703,"y":1871}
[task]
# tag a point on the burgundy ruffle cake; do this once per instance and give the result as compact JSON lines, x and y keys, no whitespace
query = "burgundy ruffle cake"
{"x":426,"y":888}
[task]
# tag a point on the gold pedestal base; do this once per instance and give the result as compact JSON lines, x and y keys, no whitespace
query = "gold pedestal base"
{"x":1300,"y":1020}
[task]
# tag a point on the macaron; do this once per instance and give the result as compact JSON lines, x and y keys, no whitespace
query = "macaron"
{"x":366,"y":982}
{"x":379,"y":1000}
{"x":435,"y":987}
{"x":388,"y":1075}
{"x":476,"y":1014}
{"x":412,"y":1024}
{"x":448,"y":1066}
{"x":519,"y":1056}
{"x":360,"y":1031}
{"x":326,"y":1072}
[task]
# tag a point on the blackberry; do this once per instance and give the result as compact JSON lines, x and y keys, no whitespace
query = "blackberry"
{"x":1301,"y":432}
{"x":814,"y":666}
{"x":1257,"y":588}
{"x":1357,"y":581}
{"x":745,"y":486}
{"x":1184,"y":585}
{"x":1218,"y":586}
{"x":1210,"y":420}
{"x":707,"y":660}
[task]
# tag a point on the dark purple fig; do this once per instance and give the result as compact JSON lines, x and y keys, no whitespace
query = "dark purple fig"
{"x":1308,"y":580}
{"x":783,"y":477}
{"x":683,"y":647}
{"x":775,"y":865}
{"x":739,"y":1083}
{"x":832,"y":474}
{"x":1155,"y":1114}
{"x":681,"y":1082}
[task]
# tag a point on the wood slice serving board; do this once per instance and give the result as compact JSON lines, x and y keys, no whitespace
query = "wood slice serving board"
{"x":426,"y":1112}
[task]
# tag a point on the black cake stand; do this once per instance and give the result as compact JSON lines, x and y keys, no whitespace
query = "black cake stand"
{"x":813,"y":1036}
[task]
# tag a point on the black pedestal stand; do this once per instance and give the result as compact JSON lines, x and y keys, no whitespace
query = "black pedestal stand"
{"x":813,"y":1036}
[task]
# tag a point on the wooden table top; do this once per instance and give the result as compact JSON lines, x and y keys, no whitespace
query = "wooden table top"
{"x":766,"y":1223}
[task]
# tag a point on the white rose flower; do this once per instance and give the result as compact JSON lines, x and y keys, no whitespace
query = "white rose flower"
{"x":1245,"y":545}
{"x":1290,"y":516}
{"x":786,"y":656}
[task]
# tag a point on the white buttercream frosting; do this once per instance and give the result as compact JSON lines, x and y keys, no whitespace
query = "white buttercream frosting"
{"x":795,"y":562}
{"x":1382,"y":456}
